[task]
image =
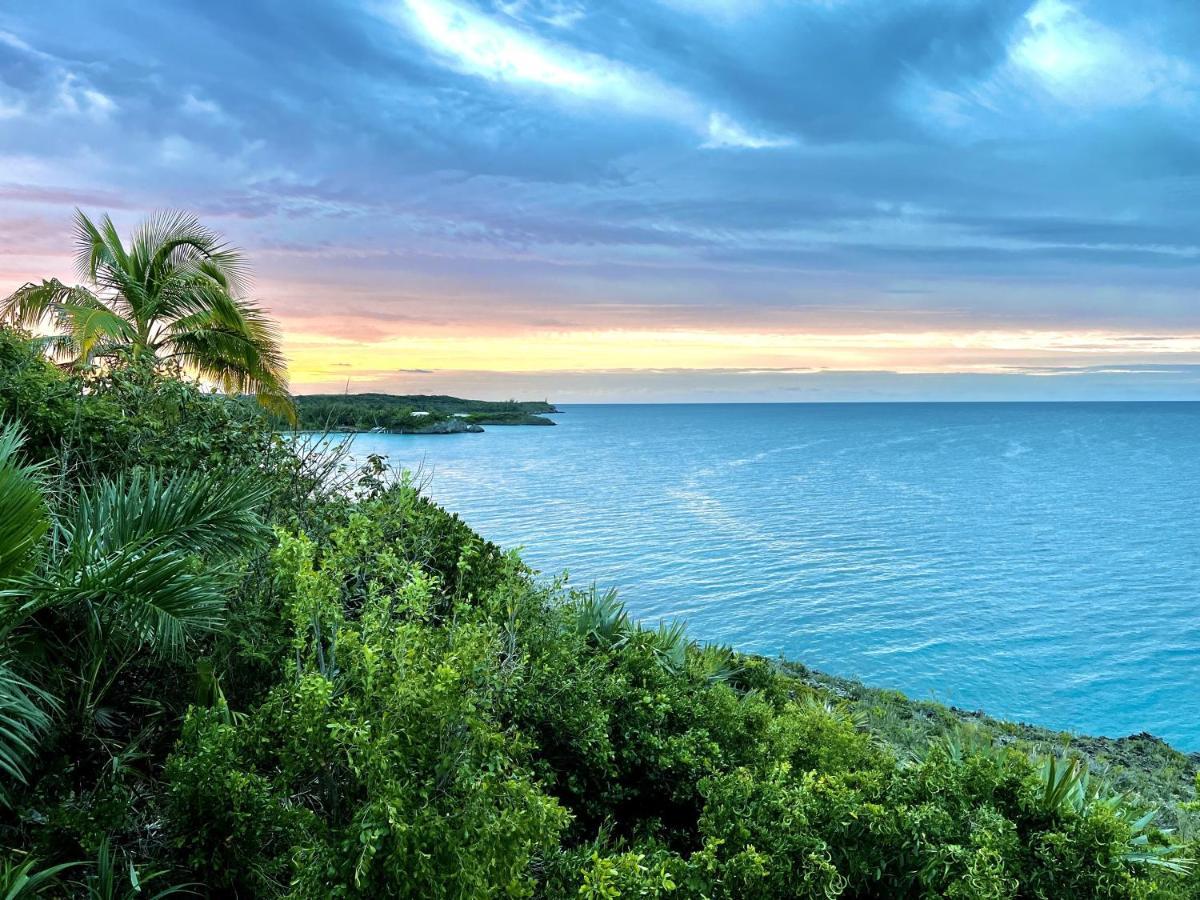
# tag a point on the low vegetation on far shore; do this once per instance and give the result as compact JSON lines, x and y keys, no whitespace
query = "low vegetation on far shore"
{"x":412,"y":413}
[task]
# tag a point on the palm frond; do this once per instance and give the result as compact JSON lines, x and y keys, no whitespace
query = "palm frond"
{"x":32,"y":304}
{"x":155,"y":597}
{"x":252,"y":337}
{"x":201,"y":513}
{"x":234,"y":343}
{"x":233,"y":359}
{"x":92,"y":326}
{"x":279,"y":403}
{"x":24,"y":518}
{"x":131,"y":554}
{"x":101,"y":259}
{"x":24,"y":718}
{"x":170,"y":241}
{"x":176,"y":288}
{"x":23,"y":879}
{"x":115,"y":877}
{"x":97,"y":247}
{"x":60,"y":348}
{"x":602,"y":617}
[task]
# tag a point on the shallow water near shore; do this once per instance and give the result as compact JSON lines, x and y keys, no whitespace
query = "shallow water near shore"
{"x":1038,"y":561}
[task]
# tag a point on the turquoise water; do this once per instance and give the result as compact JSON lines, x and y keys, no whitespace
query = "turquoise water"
{"x":1037,"y":561}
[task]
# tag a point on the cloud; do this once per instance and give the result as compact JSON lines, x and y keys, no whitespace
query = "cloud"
{"x":723,"y":132}
{"x":1068,"y":67}
{"x":485,"y":47}
{"x":35,"y":82}
{"x":1082,"y":62}
{"x":198,"y":106}
{"x":489,"y":49}
{"x":496,"y":166}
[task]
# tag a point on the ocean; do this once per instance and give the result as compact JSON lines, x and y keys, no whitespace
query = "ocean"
{"x":1040,"y":562}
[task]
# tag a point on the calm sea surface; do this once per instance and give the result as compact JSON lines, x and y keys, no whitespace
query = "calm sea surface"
{"x":1037,"y":561}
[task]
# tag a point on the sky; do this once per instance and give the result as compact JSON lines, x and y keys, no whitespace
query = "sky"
{"x":647,"y":200}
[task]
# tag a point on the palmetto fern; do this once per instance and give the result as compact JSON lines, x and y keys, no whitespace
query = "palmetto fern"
{"x":176,"y":292}
{"x":827,"y":707}
{"x":127,"y":551}
{"x":23,"y":515}
{"x":202,"y":513}
{"x":717,"y":663}
{"x":1067,"y":785}
{"x":24,"y":519}
{"x":115,"y":877}
{"x":966,"y":740}
{"x":669,"y":643}
{"x":24,"y":879}
{"x":25,"y":711}
{"x":602,"y":617}
{"x":118,"y":571}
{"x":130,"y":546}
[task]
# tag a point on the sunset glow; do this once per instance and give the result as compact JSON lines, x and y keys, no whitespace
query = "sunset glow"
{"x":317,"y":359}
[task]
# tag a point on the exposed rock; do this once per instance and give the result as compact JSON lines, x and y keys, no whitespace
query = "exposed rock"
{"x":445,"y":426}
{"x":511,"y":418}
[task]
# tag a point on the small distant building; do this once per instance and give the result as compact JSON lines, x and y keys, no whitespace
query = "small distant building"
{"x":418,"y":413}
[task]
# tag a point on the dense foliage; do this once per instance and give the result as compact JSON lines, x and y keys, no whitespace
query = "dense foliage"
{"x":402,"y":413}
{"x":230,"y":667}
{"x":175,"y":292}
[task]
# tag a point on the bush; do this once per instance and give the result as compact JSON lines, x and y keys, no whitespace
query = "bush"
{"x":381,"y":729}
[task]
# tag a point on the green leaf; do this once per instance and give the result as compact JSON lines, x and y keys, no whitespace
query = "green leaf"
{"x":23,"y":515}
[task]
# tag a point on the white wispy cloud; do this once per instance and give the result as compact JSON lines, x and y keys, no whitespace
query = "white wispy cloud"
{"x":724,"y":9}
{"x":201,"y":107}
{"x":77,"y":98}
{"x":12,"y":40}
{"x":485,"y":47}
{"x":724,"y":132}
{"x":556,"y":14}
{"x":1085,"y":63}
{"x":1060,"y":62}
{"x":68,"y":92}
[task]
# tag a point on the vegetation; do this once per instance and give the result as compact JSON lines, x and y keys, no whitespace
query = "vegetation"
{"x":229,"y":666}
{"x":174,"y":294}
{"x":411,"y":413}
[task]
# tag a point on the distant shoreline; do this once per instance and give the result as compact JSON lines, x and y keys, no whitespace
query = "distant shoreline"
{"x":374,"y":413}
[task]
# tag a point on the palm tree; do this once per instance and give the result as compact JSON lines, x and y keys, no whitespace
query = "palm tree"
{"x":175,"y":294}
{"x":117,"y":574}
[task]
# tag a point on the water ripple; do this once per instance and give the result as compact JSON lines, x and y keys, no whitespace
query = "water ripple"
{"x":1037,"y":561}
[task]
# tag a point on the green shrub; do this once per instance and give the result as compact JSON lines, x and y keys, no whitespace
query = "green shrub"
{"x":381,"y":728}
